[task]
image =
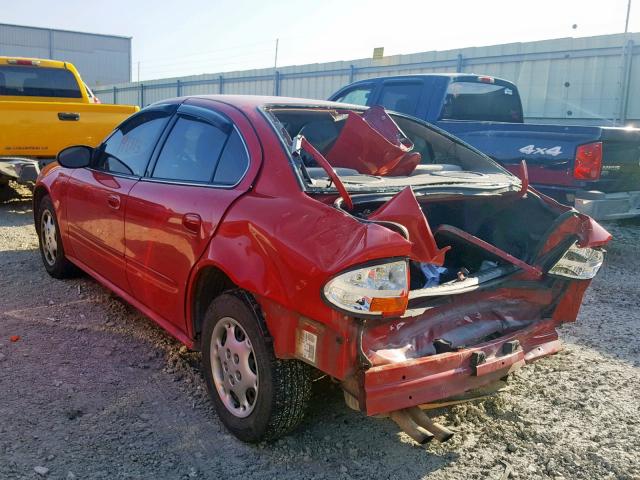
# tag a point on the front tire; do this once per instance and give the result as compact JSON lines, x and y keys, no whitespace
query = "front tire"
{"x":257,"y":396}
{"x":51,"y":249}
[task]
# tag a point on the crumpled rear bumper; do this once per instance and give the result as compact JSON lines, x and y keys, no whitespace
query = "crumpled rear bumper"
{"x":436,"y":377}
{"x":608,"y":206}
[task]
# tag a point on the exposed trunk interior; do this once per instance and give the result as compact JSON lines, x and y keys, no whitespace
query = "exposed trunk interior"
{"x":450,"y":310}
{"x":514,"y":225}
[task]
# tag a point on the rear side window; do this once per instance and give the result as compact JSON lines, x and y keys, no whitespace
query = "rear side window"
{"x":191,"y":152}
{"x":356,"y":96}
{"x":233,"y":162}
{"x":401,"y":97}
{"x":197,"y":151}
{"x":128,"y":149}
{"x":27,"y":81}
{"x":484,"y":102}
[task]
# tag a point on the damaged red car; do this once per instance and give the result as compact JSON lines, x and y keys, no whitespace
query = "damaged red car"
{"x":287,"y":238}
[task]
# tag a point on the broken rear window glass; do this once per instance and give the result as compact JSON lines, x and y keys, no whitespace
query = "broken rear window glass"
{"x":373,"y":149}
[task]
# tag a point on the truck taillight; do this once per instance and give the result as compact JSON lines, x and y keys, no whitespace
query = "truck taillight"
{"x":588,"y":164}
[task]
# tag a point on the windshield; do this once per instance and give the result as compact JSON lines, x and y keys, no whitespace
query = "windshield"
{"x":483,"y":102}
{"x":371,"y":150}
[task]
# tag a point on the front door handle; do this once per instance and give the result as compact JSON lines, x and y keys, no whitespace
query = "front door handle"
{"x":68,"y":116}
{"x":114,"y":201}
{"x":192,"y":222}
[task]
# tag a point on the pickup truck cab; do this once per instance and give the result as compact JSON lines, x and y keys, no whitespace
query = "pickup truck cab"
{"x":595,"y":169}
{"x":44,"y":107}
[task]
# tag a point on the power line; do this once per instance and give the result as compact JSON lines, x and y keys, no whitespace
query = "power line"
{"x":207,"y":52}
{"x":208,"y":64}
{"x":208,"y":61}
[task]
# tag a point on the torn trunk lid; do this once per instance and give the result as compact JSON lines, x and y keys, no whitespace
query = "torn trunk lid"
{"x":491,"y":279}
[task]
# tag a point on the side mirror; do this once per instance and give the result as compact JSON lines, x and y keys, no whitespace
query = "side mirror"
{"x":75,"y":157}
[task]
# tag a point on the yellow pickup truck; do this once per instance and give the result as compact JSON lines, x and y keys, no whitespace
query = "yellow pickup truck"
{"x":44,"y":107}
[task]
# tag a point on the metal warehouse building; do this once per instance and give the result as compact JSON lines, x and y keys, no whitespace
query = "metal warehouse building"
{"x":101,"y":59}
{"x":590,"y":80}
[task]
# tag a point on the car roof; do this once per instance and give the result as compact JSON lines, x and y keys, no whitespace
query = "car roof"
{"x":42,"y":62}
{"x":250,"y":102}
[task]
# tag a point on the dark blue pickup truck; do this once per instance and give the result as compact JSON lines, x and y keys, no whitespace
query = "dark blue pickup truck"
{"x":596,"y":169}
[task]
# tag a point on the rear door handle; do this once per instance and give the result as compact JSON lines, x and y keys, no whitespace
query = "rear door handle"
{"x":68,"y":116}
{"x":114,"y":201}
{"x":192,"y":222}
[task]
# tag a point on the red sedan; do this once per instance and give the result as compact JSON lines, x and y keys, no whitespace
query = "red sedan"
{"x":285,"y":238}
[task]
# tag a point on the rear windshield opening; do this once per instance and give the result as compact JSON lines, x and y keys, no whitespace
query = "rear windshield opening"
{"x":374,"y":147}
{"x":26,"y":81}
{"x":478,"y":101}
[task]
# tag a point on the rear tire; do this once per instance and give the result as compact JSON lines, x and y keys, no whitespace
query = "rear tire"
{"x":257,"y":396}
{"x":6,"y":191}
{"x":51,"y":249}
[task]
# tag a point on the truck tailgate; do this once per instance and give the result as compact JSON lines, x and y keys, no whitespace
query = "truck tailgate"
{"x":620,"y":160}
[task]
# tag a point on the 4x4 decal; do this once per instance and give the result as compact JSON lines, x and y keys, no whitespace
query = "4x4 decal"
{"x":533,"y":150}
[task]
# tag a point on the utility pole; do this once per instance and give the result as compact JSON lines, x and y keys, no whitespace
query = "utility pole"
{"x":138,"y":72}
{"x":275,"y":62}
{"x":276,"y":80}
{"x":626,"y":25}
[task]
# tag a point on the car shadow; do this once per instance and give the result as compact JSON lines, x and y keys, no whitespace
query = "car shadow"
{"x":16,"y":213}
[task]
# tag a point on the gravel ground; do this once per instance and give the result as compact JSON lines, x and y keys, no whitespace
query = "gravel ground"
{"x":92,"y":389}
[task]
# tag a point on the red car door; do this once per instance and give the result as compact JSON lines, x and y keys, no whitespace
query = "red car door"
{"x":97,"y":196}
{"x":173,"y":212}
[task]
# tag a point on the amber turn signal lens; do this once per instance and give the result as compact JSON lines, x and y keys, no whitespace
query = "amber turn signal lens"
{"x":391,"y":306}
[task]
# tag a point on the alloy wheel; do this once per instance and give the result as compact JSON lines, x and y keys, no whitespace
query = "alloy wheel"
{"x":48,"y":235}
{"x":233,"y":364}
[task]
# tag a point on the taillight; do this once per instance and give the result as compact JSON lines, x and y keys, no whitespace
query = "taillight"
{"x":588,"y":164}
{"x":381,"y":289}
{"x":486,"y":79}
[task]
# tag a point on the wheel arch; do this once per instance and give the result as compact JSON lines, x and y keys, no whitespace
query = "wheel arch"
{"x":39,"y":192}
{"x":209,"y":282}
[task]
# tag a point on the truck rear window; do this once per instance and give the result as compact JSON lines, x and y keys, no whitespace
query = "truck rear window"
{"x":26,"y":81}
{"x":478,"y":101}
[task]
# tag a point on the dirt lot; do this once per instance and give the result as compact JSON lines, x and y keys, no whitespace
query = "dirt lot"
{"x":94,"y":390}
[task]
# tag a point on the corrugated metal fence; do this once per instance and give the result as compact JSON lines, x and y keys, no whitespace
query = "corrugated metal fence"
{"x":568,"y":80}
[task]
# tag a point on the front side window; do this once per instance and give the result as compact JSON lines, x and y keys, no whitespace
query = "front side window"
{"x":356,"y":96}
{"x":401,"y":97}
{"x":483,"y":102}
{"x":197,"y":151}
{"x":128,"y":149}
{"x":32,"y":81}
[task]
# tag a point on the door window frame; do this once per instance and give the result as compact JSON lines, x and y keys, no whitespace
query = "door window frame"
{"x":211,"y":117}
{"x":402,"y":81}
{"x":169,"y":108}
{"x":374,"y":86}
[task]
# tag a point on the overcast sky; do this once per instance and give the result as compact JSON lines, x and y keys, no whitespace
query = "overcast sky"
{"x":184,"y":37}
